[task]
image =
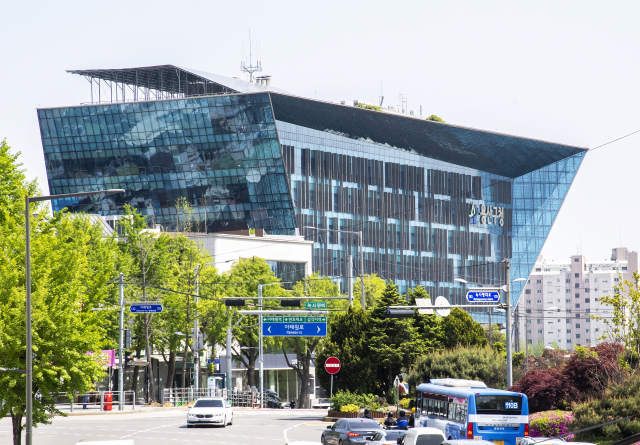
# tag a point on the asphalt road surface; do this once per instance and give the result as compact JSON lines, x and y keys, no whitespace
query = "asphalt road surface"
{"x":269,"y":427}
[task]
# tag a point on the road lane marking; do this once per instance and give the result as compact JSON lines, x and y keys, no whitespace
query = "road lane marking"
{"x":284,"y":433}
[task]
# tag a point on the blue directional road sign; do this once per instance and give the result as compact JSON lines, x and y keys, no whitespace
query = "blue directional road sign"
{"x":294,"y":326}
{"x":490,"y":296}
{"x":142,"y":308}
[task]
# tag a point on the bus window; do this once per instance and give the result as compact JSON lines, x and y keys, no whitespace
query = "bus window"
{"x":430,"y":408}
{"x":499,"y":404}
{"x":452,"y":411}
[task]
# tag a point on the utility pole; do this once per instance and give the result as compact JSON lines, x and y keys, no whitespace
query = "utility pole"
{"x":507,"y":266}
{"x":260,"y":346}
{"x":196,"y":334}
{"x":121,"y":353}
{"x":490,"y":330}
{"x":350,"y":278}
{"x":229,"y":361}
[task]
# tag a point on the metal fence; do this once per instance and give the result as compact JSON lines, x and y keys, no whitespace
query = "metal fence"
{"x":97,"y":400}
{"x":187,"y":396}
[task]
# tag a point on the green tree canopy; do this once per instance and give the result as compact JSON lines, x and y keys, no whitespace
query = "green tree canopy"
{"x":459,"y":329}
{"x":373,"y":288}
{"x":471,"y":363}
{"x":395,"y":343}
{"x":427,"y":326}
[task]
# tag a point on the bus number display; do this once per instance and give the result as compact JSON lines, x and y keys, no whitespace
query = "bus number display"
{"x":510,"y":405}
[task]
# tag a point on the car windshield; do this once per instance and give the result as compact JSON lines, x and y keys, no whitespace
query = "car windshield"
{"x":499,"y":404}
{"x":364,"y":424}
{"x":208,"y":404}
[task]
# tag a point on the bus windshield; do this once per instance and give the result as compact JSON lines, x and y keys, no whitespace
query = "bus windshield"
{"x":499,"y":404}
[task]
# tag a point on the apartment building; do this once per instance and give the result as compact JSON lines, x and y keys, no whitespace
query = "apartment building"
{"x":559,"y":298}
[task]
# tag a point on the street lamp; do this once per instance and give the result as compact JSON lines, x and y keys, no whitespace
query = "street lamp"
{"x":27,"y":216}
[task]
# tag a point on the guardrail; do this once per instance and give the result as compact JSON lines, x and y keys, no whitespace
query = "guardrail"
{"x":187,"y":396}
{"x":98,"y":400}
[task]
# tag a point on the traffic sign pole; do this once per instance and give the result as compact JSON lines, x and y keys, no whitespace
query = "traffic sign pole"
{"x":332,"y":366}
{"x":120,"y":368}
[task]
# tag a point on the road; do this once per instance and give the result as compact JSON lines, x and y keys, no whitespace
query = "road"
{"x":169,"y":427}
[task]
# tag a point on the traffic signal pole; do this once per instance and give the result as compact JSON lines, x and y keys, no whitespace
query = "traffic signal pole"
{"x":121,"y":364}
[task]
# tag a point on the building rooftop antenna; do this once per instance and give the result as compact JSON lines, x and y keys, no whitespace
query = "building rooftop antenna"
{"x":250,"y":68}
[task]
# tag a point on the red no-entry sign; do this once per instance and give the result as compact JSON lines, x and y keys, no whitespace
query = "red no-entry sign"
{"x":332,"y":365}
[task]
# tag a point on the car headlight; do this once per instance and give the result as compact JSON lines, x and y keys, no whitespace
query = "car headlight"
{"x":191,"y":415}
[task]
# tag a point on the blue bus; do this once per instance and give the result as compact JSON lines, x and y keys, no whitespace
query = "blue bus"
{"x":467,"y":409}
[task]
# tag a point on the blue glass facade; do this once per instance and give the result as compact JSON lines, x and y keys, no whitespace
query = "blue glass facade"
{"x":221,"y":153}
{"x":435,"y":202}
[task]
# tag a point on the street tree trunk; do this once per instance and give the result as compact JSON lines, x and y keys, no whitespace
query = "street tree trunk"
{"x":134,"y":385}
{"x":303,"y":352}
{"x":16,"y":425}
{"x":171,"y":369}
{"x":152,"y":392}
{"x":186,"y":347}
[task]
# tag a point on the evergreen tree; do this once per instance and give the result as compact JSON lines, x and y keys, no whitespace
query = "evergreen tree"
{"x":460,"y":329}
{"x":427,"y":326}
{"x":348,"y":340}
{"x":395,"y":343}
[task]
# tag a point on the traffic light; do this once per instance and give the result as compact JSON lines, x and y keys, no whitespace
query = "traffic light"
{"x":290,"y":303}
{"x":127,"y":359}
{"x":127,"y":339}
{"x":234,"y":302}
{"x":399,"y":313}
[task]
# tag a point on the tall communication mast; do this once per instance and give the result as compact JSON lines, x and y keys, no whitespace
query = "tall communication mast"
{"x":250,"y":69}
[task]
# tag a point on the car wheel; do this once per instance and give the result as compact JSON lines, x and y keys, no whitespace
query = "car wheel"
{"x":322,"y":441}
{"x":224,"y":424}
{"x":231,"y":421}
{"x":189,"y":426}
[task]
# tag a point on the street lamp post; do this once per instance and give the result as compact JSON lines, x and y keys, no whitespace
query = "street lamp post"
{"x":359,"y":233}
{"x":27,"y":216}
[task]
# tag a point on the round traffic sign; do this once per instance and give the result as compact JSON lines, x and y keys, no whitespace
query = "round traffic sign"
{"x":332,"y":365}
{"x":440,"y":302}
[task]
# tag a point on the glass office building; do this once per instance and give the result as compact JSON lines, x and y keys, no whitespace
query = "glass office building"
{"x":434,"y":202}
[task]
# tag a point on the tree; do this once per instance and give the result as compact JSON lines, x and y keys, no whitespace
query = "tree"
{"x":624,"y":325}
{"x":66,"y":337}
{"x":460,"y":329}
{"x":373,"y":289}
{"x":13,"y":188}
{"x":242,"y":282}
{"x":435,"y":118}
{"x":395,"y":343}
{"x":469,"y":363}
{"x":545,"y":389}
{"x":305,"y":347}
{"x":427,"y":326}
{"x":147,"y":266}
{"x":349,"y":341}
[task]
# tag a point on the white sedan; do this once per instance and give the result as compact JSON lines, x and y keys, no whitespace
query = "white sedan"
{"x":210,"y":411}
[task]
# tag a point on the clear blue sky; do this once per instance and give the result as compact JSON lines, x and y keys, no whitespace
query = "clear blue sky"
{"x":560,"y":71}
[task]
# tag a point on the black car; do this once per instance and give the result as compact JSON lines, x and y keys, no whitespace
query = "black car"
{"x":346,"y":431}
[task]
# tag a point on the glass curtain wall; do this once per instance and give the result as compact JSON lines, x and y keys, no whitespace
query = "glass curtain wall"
{"x":219,"y":153}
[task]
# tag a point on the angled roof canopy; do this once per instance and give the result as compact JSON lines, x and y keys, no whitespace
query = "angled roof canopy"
{"x":501,"y":154}
{"x":175,"y":80}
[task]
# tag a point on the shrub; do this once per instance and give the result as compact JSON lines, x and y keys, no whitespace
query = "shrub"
{"x":550,"y":423}
{"x":342,"y":398}
{"x":350,"y":408}
{"x":405,"y":402}
{"x":620,"y":400}
{"x":473,"y":363}
{"x":545,"y":389}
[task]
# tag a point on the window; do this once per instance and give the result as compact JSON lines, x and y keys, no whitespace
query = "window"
{"x":537,"y":321}
{"x":575,"y":260}
{"x":537,"y":282}
{"x":568,"y":281}
{"x":527,"y":291}
{"x":623,"y":268}
{"x":597,"y":329}
{"x":538,"y":269}
{"x":568,"y":340}
{"x":528,"y":301}
{"x":577,"y":335}
{"x":586,"y":280}
{"x":528,"y":331}
{"x":539,"y":330}
{"x":575,"y":295}
{"x":586,"y":289}
{"x":588,"y":320}
{"x":566,"y":291}
{"x":550,"y":333}
{"x":577,"y":325}
{"x":559,"y":330}
{"x":366,"y":294}
{"x":587,"y":311}
{"x":537,"y":301}
{"x":577,"y":286}
{"x":528,"y":310}
{"x":615,"y":280}
{"x":568,"y":299}
{"x":586,"y":330}
{"x":577,"y":305}
{"x":577,"y":275}
{"x":539,"y":291}
{"x":586,"y":300}
{"x":498,"y":404}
